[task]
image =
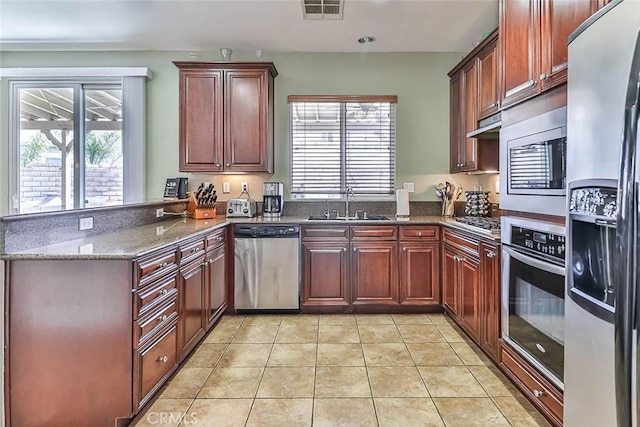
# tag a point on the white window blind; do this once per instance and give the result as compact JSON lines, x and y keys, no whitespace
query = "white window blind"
{"x":340,"y":142}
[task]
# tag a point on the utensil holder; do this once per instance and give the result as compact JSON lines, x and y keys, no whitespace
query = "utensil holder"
{"x":200,"y":212}
{"x":448,"y":208}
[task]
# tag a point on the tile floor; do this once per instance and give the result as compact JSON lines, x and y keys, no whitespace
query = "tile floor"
{"x":339,"y":370}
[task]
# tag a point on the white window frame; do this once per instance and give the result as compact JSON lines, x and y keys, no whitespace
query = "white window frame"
{"x":133,"y":82}
{"x":343,"y":100}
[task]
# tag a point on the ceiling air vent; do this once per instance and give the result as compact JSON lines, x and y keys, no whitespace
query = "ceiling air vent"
{"x":322,"y":9}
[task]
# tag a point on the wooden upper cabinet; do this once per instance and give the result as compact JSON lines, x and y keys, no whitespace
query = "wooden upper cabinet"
{"x":456,"y":122}
{"x":469,"y":145}
{"x":533,"y":44}
{"x":226,"y":116}
{"x":488,"y":81}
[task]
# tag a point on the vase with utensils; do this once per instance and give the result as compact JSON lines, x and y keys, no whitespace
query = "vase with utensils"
{"x":448,"y":193}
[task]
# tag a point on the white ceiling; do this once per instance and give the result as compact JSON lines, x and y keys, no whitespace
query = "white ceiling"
{"x":244,"y":25}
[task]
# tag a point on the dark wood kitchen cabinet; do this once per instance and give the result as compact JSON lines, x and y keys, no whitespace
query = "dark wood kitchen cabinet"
{"x":533,"y":44}
{"x":473,"y":96}
{"x":216,"y":277}
{"x":191,"y":324}
{"x":374,"y":273}
{"x":490,"y":299}
{"x":226,"y":116}
{"x":419,"y":265}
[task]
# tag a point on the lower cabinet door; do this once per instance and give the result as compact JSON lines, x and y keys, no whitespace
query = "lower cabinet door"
{"x":374,"y":273}
{"x":324,"y":274}
{"x":420,"y":273}
{"x":450,"y":283}
{"x":490,"y":301}
{"x":216,"y":284}
{"x":153,"y":364}
{"x":191,"y":298}
{"x":470,"y":290}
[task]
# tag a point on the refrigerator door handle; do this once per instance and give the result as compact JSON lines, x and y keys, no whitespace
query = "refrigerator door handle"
{"x":625,"y":298}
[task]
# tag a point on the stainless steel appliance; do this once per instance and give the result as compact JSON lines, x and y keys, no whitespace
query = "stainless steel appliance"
{"x":533,"y":275}
{"x":241,"y":208}
{"x":601,"y":307}
{"x":272,"y":199}
{"x":266,"y":267}
{"x":533,"y":154}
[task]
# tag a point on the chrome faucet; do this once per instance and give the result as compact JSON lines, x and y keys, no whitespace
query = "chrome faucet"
{"x":346,"y":208}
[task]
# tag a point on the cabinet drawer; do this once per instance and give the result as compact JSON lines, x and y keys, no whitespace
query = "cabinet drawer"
{"x":148,"y":297}
{"x":461,"y":241}
{"x":535,"y":388}
{"x":377,"y":232}
{"x":154,"y":365}
{"x":425,"y":232}
{"x":217,"y":238}
{"x":155,"y":265}
{"x":190,"y":250}
{"x":325,"y":233}
{"x":146,"y":326}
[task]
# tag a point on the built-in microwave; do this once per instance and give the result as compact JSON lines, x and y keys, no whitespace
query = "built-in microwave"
{"x":533,"y":154}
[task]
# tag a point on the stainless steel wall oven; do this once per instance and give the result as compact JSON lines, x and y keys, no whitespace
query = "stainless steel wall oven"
{"x":533,"y":276}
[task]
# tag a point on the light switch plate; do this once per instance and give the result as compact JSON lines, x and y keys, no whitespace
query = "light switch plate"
{"x":226,"y":187}
{"x":85,"y":223}
{"x":409,"y":187}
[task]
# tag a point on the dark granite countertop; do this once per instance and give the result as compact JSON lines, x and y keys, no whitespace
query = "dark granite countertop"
{"x":134,"y":242}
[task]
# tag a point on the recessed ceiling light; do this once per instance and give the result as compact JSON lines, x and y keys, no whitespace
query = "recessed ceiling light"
{"x":366,"y":39}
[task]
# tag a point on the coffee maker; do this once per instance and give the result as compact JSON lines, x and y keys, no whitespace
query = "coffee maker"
{"x":273,"y":199}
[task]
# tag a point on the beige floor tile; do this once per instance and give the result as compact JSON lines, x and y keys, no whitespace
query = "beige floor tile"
{"x":296,"y":334}
{"x":520,"y":412}
{"x":452,"y":334}
{"x":222,"y":333}
{"x":232,"y":319}
{"x":245,"y":355}
{"x":218,"y":412}
{"x":470,"y":354}
{"x":439,"y":319}
{"x":345,"y":412}
{"x":407,"y":412}
{"x":187,"y":383}
{"x":374,"y":319}
{"x":262,"y":320}
{"x":469,"y":412}
{"x":255,"y":334}
{"x":280,"y":413}
{"x":342,"y":381}
{"x":287,"y":382}
{"x":420,"y":333}
{"x":206,"y":356}
{"x":411,"y":319}
{"x":451,"y":381}
{"x":300,"y":320}
{"x":396,"y":382}
{"x":337,"y":319}
{"x":232,"y":383}
{"x":329,"y":334}
{"x":293,"y":355}
{"x":433,"y":354}
{"x":493,"y":381}
{"x":378,"y":333}
{"x":340,"y":355}
{"x":164,"y":413}
{"x":389,"y":354}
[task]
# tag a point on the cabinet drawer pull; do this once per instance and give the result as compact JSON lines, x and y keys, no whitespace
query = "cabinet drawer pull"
{"x":163,"y":265}
{"x":194,"y":250}
{"x":544,"y":76}
{"x":220,"y":238}
{"x":493,"y":104}
{"x":491,"y":254}
{"x":539,"y":393}
{"x":217,"y":165}
{"x":228,"y":164}
{"x":404,"y":249}
{"x":163,"y":359}
{"x":163,"y":292}
{"x":532,"y":83}
{"x":162,"y":318}
{"x":344,"y":249}
{"x":420,"y":233}
{"x":354,"y":249}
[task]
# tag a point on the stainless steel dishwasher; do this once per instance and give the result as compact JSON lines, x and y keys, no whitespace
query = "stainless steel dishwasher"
{"x":267,"y":274}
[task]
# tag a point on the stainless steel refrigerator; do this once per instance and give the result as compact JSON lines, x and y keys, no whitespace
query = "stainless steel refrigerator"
{"x":600,"y":377}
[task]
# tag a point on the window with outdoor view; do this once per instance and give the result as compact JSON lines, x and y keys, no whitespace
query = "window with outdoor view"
{"x":341,"y":142}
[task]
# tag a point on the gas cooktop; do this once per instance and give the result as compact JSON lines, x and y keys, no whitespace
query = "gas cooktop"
{"x":487,"y":224}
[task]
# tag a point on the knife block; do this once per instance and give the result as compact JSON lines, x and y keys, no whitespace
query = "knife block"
{"x":200,"y":212}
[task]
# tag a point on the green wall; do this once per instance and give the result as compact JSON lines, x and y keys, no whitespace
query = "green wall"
{"x":418,"y":79}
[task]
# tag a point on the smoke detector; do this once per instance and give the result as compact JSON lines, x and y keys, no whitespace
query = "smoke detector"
{"x":322,"y":9}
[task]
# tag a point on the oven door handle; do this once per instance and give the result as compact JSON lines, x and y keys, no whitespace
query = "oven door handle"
{"x":535,"y":262}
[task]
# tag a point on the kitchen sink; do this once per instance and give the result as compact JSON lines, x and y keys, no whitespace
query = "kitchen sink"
{"x":368,"y":218}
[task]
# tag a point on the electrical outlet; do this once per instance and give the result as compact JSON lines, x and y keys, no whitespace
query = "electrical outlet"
{"x":245,"y":186}
{"x":159,"y":212}
{"x":409,"y":187}
{"x":85,"y":223}
{"x":226,"y":187}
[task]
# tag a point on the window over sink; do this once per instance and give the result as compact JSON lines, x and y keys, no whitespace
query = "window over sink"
{"x":340,"y":142}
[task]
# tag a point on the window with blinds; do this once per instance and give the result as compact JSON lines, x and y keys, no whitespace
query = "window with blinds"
{"x":341,"y":142}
